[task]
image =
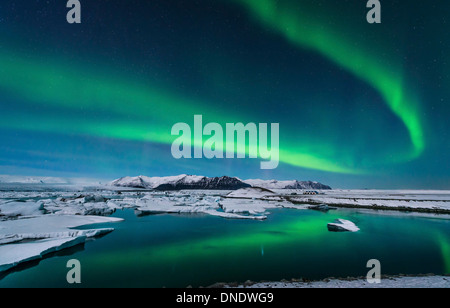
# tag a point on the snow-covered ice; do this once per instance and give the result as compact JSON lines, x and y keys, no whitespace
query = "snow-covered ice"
{"x":22,"y":208}
{"x":340,"y":225}
{"x":44,"y":234}
{"x":211,"y":205}
{"x":15,"y":254}
{"x":413,"y":200}
{"x":250,"y":193}
{"x":389,"y":282}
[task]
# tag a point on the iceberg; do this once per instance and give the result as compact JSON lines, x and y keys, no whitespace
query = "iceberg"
{"x":342,"y":225}
{"x":21,"y":208}
{"x":251,"y":193}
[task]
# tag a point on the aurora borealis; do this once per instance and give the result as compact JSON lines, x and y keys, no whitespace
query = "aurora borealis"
{"x":359,"y":105}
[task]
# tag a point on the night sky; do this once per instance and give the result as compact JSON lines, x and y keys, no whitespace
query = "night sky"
{"x":359,"y":105}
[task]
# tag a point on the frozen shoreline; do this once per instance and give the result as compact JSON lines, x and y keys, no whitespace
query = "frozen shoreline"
{"x":422,"y":201}
{"x":419,"y":281}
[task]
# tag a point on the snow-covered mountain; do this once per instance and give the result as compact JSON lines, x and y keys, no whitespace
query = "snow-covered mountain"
{"x":180,"y":182}
{"x":293,"y":184}
{"x":202,"y":182}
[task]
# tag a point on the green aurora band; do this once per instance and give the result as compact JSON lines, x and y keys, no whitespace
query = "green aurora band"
{"x":135,"y":109}
{"x":311,"y":34}
{"x":128,"y":109}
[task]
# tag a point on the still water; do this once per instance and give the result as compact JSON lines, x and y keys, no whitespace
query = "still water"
{"x":197,"y":250}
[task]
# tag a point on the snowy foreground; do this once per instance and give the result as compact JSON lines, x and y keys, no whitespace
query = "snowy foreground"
{"x":31,"y":238}
{"x":391,"y":282}
{"x":37,"y":219}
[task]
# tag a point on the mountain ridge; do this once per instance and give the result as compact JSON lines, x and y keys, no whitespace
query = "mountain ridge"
{"x":290,"y":184}
{"x":185,"y":181}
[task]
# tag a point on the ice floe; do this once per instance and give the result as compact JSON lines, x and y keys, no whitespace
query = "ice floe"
{"x":250,"y":193}
{"x":31,"y":238}
{"x":21,"y":208}
{"x":342,"y":225}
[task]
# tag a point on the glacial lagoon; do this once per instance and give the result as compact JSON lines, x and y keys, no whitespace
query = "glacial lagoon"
{"x":200,"y":250}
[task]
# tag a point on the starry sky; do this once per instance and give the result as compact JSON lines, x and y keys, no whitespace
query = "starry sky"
{"x":359,"y":105}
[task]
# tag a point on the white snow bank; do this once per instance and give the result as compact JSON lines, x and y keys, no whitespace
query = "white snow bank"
{"x":395,"y":199}
{"x":392,"y":282}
